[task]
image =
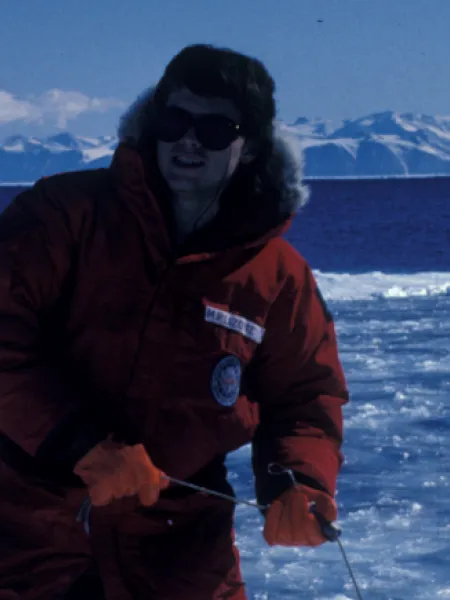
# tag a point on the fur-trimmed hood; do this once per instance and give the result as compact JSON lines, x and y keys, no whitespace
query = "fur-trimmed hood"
{"x":292,"y":193}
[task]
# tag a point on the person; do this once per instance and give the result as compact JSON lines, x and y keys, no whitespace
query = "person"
{"x":153,"y":320}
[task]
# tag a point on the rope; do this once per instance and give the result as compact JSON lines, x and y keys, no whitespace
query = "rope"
{"x":330,"y":531}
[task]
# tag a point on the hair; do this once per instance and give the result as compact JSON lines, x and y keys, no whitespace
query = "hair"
{"x":272,"y":180}
{"x":223,"y":73}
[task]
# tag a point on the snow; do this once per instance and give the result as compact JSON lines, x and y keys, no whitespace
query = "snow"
{"x":377,"y":285}
{"x":18,"y":146}
{"x":90,"y":154}
{"x":394,"y":487}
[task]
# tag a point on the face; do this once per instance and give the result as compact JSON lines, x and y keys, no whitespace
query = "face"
{"x":186,"y":164}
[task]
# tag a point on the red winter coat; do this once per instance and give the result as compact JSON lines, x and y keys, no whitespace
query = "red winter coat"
{"x":103,"y":328}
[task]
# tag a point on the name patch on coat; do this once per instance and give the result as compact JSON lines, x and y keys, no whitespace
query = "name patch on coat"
{"x":226,"y":380}
{"x":241,"y":325}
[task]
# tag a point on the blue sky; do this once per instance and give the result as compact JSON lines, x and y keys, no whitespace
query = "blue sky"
{"x":75,"y":64}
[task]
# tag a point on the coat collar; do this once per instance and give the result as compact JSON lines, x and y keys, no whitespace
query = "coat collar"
{"x":238,"y":225}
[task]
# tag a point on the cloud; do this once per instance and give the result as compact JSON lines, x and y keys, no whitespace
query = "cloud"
{"x":13,"y":109}
{"x":54,"y":106}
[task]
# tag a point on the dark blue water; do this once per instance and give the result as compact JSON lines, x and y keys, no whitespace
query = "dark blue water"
{"x":361,"y":225}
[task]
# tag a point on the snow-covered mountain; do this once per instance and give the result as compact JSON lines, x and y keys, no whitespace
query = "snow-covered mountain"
{"x":381,"y":144}
{"x":25,"y":159}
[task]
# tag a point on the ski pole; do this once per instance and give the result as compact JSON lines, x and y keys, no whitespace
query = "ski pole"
{"x":85,"y":510}
{"x":199,"y":488}
{"x":329,"y":530}
{"x":332,"y":533}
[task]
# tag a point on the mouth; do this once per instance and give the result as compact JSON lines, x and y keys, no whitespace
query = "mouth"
{"x":185,"y":161}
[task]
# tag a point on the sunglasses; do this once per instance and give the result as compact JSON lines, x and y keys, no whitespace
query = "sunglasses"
{"x":214,"y":132}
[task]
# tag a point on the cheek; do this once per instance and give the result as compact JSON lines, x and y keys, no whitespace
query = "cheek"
{"x":222,"y":165}
{"x":234,"y":153}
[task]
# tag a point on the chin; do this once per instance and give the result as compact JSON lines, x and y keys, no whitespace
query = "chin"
{"x":181,"y":186}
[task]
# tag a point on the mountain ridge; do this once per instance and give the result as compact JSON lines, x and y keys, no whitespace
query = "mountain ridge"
{"x":381,"y":144}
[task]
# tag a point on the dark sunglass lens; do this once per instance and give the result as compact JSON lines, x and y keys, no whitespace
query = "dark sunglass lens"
{"x":215,"y":132}
{"x":172,"y":124}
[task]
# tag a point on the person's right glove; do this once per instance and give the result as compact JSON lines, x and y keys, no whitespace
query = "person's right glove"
{"x":112,"y":471}
{"x":289,"y":520}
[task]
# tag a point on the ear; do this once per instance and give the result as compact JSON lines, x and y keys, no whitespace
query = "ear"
{"x":248,"y":153}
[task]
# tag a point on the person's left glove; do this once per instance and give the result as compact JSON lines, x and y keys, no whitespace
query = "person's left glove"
{"x":289,"y":520}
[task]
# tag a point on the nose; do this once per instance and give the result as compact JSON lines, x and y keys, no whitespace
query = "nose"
{"x":190,"y":139}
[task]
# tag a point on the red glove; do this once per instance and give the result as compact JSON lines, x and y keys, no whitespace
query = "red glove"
{"x":112,"y":471}
{"x":290,"y":522}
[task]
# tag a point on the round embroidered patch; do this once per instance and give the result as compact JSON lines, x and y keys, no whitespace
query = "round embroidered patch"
{"x":226,"y":380}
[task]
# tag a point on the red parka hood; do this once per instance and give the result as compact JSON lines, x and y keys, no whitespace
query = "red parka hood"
{"x":252,"y":208}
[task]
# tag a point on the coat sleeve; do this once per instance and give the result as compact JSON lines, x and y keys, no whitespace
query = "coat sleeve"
{"x":298,"y":382}
{"x":39,"y":411}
